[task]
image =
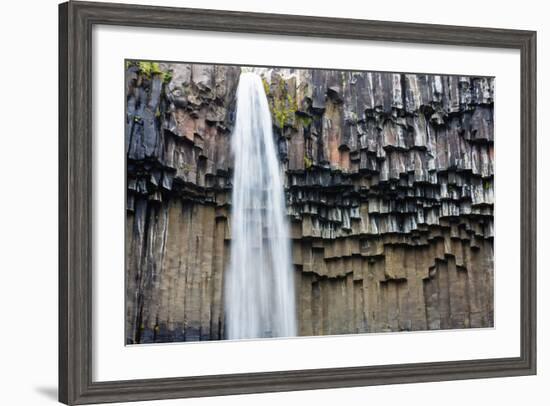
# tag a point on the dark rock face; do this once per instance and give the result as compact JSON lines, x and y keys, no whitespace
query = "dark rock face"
{"x":389,"y":181}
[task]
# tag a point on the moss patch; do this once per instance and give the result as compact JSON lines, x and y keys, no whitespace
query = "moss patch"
{"x":304,"y":120}
{"x":308,"y":163}
{"x":281,"y":102}
{"x":266,"y":86}
{"x":150,"y":69}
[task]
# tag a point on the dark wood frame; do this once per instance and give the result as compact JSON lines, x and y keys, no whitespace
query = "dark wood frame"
{"x":76,"y":20}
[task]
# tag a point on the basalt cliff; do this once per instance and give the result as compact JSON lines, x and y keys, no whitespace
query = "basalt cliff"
{"x":389,"y":193}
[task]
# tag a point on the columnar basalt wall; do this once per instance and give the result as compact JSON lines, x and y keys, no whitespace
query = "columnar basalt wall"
{"x":389,"y":189}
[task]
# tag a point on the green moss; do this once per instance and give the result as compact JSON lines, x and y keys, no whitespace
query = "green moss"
{"x":283,"y":105}
{"x":308,"y":163}
{"x":281,"y":112}
{"x":167,"y":77}
{"x":131,"y":63}
{"x":304,"y":120}
{"x":266,"y":86}
{"x":150,"y":69}
{"x":293,"y":103}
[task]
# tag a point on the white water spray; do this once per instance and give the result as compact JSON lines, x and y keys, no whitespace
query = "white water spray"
{"x":259,"y":295}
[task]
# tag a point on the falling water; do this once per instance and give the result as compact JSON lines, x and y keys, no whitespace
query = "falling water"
{"x":259,"y":296}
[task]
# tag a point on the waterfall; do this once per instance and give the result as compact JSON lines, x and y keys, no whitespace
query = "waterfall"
{"x":259,"y":286}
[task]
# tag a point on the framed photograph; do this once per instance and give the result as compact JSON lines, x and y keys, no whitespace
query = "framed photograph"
{"x":260,"y":202}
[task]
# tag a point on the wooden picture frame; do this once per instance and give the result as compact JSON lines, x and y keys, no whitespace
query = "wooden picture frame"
{"x":76,"y":20}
